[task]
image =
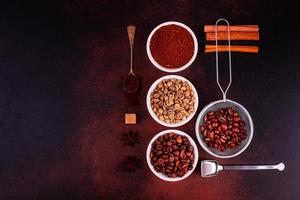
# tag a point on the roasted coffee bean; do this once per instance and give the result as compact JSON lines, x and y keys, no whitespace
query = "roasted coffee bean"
{"x":172,"y":155}
{"x":236,"y":119}
{"x":215,"y":124}
{"x":202,"y":128}
{"x":223,"y":129}
{"x":188,"y":153}
{"x":182,"y":154}
{"x":178,"y":139}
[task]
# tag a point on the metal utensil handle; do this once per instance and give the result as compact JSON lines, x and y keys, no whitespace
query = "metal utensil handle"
{"x":217,"y":58}
{"x":131,"y":33}
{"x":279,"y":167}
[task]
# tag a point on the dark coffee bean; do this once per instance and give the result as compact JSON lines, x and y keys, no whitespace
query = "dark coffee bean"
{"x":185,"y":165}
{"x":211,"y":117}
{"x":175,"y":147}
{"x":215,"y":124}
{"x":232,"y":145}
{"x":171,"y":159}
{"x":222,"y":140}
{"x":214,"y":120}
{"x":205,"y":132}
{"x":224,"y":127}
{"x":236,"y":119}
{"x":236,"y":124}
{"x":176,"y":153}
{"x":235,"y":130}
{"x":210,"y":113}
{"x":191,"y":158}
{"x":182,"y":154}
{"x":188,"y":153}
{"x":205,"y":118}
{"x":222,"y":119}
{"x":179,"y":139}
{"x":202,"y":128}
{"x":211,"y":134}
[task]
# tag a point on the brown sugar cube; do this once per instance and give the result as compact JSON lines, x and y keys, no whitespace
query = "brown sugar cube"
{"x":130,"y":118}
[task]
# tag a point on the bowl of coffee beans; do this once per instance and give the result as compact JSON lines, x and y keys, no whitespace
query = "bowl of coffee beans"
{"x":224,"y":129}
{"x":172,"y":100}
{"x":172,"y":155}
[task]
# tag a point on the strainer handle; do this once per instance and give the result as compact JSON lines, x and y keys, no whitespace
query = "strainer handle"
{"x":217,"y":58}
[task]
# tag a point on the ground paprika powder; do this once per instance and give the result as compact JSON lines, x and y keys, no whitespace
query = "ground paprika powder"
{"x":172,"y":46}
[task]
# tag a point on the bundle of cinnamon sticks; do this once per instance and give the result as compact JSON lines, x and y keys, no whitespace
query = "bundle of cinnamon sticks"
{"x":237,"y":32}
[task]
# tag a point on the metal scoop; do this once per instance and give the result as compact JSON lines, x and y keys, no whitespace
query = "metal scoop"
{"x":211,"y":167}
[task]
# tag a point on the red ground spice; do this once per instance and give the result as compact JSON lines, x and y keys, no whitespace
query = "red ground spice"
{"x":172,"y":46}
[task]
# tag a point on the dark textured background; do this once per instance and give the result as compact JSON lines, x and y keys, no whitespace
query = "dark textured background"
{"x":62,"y":105}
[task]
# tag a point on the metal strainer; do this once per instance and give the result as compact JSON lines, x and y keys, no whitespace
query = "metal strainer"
{"x":244,"y":114}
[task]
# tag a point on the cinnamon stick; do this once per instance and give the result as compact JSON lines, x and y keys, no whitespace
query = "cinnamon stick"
{"x":241,"y":28}
{"x":235,"y":35}
{"x":234,"y":48}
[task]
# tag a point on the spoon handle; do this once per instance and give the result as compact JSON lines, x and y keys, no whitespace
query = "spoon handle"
{"x":131,"y":32}
{"x":279,"y":166}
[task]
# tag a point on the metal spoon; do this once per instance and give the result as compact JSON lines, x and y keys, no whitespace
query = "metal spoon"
{"x":211,"y":167}
{"x":131,"y":82}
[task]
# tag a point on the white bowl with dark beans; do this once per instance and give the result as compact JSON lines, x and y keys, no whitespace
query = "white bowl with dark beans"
{"x":172,"y":155}
{"x":224,"y":131}
{"x":172,"y":100}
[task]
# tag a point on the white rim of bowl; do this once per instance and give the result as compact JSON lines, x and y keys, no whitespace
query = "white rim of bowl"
{"x":203,"y":145}
{"x":161,"y":175}
{"x":153,"y":115}
{"x":172,"y":69}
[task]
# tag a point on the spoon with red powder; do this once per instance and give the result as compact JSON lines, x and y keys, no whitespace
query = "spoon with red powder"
{"x":131,"y":82}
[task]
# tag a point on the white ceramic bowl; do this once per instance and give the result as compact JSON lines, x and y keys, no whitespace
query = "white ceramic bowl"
{"x":153,"y":115}
{"x":161,"y":175}
{"x":172,"y":69}
{"x":245,"y":116}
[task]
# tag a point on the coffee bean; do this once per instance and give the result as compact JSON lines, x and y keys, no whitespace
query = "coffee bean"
{"x":188,"y":153}
{"x":202,"y":128}
{"x":211,"y":134}
{"x":171,"y":159}
{"x":178,"y":139}
{"x":224,"y":127}
{"x":182,"y":154}
{"x":215,"y":124}
{"x":159,"y":152}
{"x":236,"y":119}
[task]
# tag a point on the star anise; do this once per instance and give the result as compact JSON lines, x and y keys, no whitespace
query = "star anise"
{"x":131,"y":164}
{"x":130,"y":138}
